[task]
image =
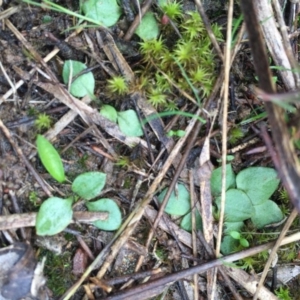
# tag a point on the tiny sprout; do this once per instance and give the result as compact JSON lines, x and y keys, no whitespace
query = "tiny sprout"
{"x":43,"y":121}
{"x":179,"y":133}
{"x":118,"y":85}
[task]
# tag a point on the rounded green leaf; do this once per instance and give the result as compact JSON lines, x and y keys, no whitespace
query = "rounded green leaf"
{"x":235,"y":234}
{"x":89,"y":185}
{"x":54,"y":216}
{"x":109,"y":112}
{"x":179,"y":201}
{"x":148,"y":29}
{"x":232,"y":226}
{"x":244,"y":243}
{"x":50,"y":158}
{"x":129,"y":123}
{"x":259,"y":183}
{"x":238,"y":206}
{"x":107,"y":12}
{"x":114,"y":220}
{"x":266,"y":213}
{"x":186,"y":222}
{"x":216,"y":180}
{"x":229,"y":245}
{"x":84,"y":84}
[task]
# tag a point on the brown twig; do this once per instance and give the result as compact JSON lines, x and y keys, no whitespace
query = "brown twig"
{"x":221,"y":269}
{"x":29,"y":219}
{"x":137,"y":291}
{"x":137,"y":20}
{"x":19,"y":151}
{"x":209,"y":29}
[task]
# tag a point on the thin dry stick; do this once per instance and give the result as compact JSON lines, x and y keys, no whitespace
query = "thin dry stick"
{"x":209,"y":29}
{"x":32,"y":71}
{"x":285,"y":39}
{"x":192,"y":137}
{"x":8,"y":79}
{"x":16,"y":221}
{"x":273,"y":39}
{"x":224,"y":125}
{"x":267,"y":266}
{"x":24,"y":159}
{"x":142,"y":288}
{"x":221,"y":269}
{"x":8,"y":12}
{"x":137,"y":20}
{"x":194,"y":237}
{"x":238,"y":44}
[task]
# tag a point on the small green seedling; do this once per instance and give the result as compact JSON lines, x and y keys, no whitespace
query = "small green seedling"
{"x":179,"y":133}
{"x":247,"y":197}
{"x":50,"y":158}
{"x":55,"y":213}
{"x":81,"y":86}
{"x":179,"y":205}
{"x":237,"y":236}
{"x":127,"y":120}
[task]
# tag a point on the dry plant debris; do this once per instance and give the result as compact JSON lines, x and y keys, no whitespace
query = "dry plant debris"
{"x":150,"y":106}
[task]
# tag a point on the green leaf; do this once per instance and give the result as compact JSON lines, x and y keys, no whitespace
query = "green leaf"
{"x":50,"y":158}
{"x":109,"y":112}
{"x":186,"y":222}
{"x":229,"y":245}
{"x":89,"y":185}
{"x":232,"y":226}
{"x":129,"y":123}
{"x":244,"y":243}
{"x":84,"y":84}
{"x":238,"y":206}
{"x":114,"y":219}
{"x":259,"y":183}
{"x":235,"y":234}
{"x":179,"y":201}
{"x":148,"y":28}
{"x":266,"y":213}
{"x":106,"y":12}
{"x":54,"y":216}
{"x":216,"y":180}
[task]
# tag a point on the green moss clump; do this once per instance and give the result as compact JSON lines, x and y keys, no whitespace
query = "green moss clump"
{"x":58,"y":271}
{"x":193,"y":52}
